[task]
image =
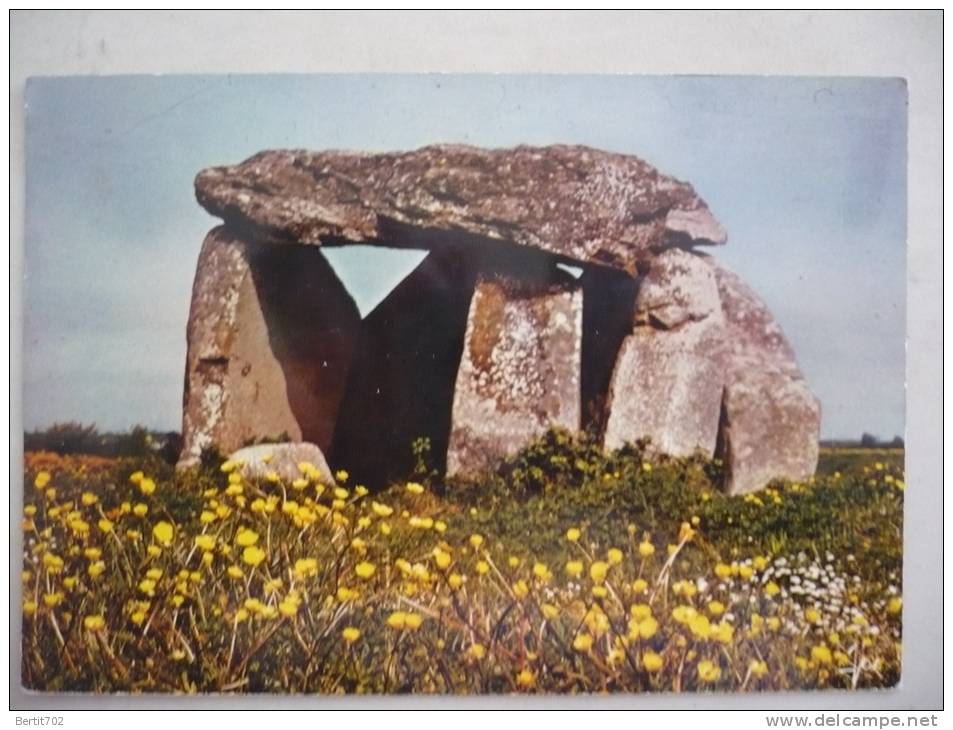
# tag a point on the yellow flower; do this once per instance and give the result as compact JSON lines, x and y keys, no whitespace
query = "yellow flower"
{"x":42,"y":479}
{"x":598,"y":570}
{"x":700,"y":626}
{"x":476,"y":651}
{"x":350,"y":634}
{"x":716,"y":608}
{"x":29,"y":607}
{"x":364,"y":569}
{"x":140,"y":509}
{"x":105,"y":525}
{"x":442,"y":558}
{"x":723,"y":571}
{"x":582,"y":642}
{"x":246,"y":537}
{"x":708,"y":671}
{"x":440,"y":526}
{"x":163,"y":532}
{"x":96,"y":569}
{"x":29,"y":510}
{"x":94,"y":622}
{"x":821,"y":654}
{"x":723,"y":632}
{"x":549,"y":611}
{"x":573,"y":534}
{"x":774,"y":623}
{"x":147,"y":485}
{"x":542,"y":572}
{"x":745,"y":572}
{"x":347,"y":594}
{"x":812,"y":615}
{"x":341,"y":493}
{"x":415,"y":488}
{"x":646,"y":466}
{"x":639,"y":585}
{"x":520,"y":589}
{"x":88,"y":499}
{"x":895,"y":605}
{"x":207,"y":517}
{"x":205,"y":542}
{"x":288,"y":607}
{"x":53,"y":599}
{"x":341,"y":475}
{"x":482,"y":567}
{"x":513,"y":561}
{"x":758,"y":668}
{"x":397,"y":620}
{"x":574,"y":568}
{"x":147,"y":586}
{"x":760,"y":563}
{"x":614,"y":556}
{"x":235,"y":572}
{"x":253,"y":555}
{"x":771,"y":589}
{"x":455,"y":580}
{"x":651,"y":661}
{"x":299,"y":484}
{"x":476,"y":541}
{"x":646,"y":549}
{"x":526,"y":679}
{"x":382,"y":510}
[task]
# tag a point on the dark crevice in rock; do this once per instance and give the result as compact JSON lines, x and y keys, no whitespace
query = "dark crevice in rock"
{"x":723,"y":442}
{"x":402,"y":378}
{"x":607,"y":314}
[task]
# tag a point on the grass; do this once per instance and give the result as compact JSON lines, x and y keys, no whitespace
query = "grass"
{"x":566,"y":570}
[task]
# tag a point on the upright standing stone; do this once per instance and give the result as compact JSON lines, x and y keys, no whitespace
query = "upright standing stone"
{"x":519,"y":373}
{"x":270,"y":335}
{"x":668,"y":380}
{"x":771,"y":421}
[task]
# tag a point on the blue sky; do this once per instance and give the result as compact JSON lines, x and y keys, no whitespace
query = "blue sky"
{"x":807,"y":174}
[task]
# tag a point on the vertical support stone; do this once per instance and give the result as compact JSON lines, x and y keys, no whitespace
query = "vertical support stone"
{"x":771,"y":421}
{"x":668,"y":380}
{"x":519,"y":373}
{"x":270,"y":335}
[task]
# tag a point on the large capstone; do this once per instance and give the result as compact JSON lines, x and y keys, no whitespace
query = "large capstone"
{"x":519,"y":373}
{"x":668,"y":380}
{"x":270,"y":337}
{"x":574,"y":202}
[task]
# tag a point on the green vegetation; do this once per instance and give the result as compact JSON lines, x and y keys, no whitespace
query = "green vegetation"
{"x":566,"y":570}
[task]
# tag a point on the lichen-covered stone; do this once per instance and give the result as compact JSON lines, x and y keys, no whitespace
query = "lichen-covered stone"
{"x":575,"y":202}
{"x":270,"y":337}
{"x":519,"y":373}
{"x":668,"y":379}
{"x":770,"y":419}
{"x":283,"y":459}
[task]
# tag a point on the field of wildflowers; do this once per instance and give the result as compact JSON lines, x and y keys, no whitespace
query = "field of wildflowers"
{"x":566,"y":570}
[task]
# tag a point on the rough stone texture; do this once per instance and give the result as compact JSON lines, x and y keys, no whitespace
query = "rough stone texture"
{"x":770,"y":419}
{"x":270,"y":336}
{"x":402,"y":378}
{"x":668,"y":380}
{"x":575,"y":202}
{"x":520,"y":370}
{"x":283,"y":459}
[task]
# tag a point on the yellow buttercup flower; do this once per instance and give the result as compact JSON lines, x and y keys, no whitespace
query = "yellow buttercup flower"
{"x":771,"y":589}
{"x":526,"y":679}
{"x":163,"y":532}
{"x":614,"y":556}
{"x":640,"y":585}
{"x":895,"y":605}
{"x":716,"y":608}
{"x":646,"y":549}
{"x":598,"y":571}
{"x":520,"y":589}
{"x":758,"y":668}
{"x":582,"y":643}
{"x":350,"y":634}
{"x":821,"y":654}
{"x":476,"y":651}
{"x":364,"y":569}
{"x":205,"y":542}
{"x":235,"y":572}
{"x":105,"y":525}
{"x":651,"y":661}
{"x":42,"y":479}
{"x":88,"y":499}
{"x":476,"y":541}
{"x":442,"y":558}
{"x":482,"y":567}
{"x":96,"y":569}
{"x":147,"y":485}
{"x":253,"y":555}
{"x":246,"y":537}
{"x":573,"y":534}
{"x":415,"y":488}
{"x":382,"y":510}
{"x":549,"y":611}
{"x":94,"y":622}
{"x":708,"y":671}
{"x":542,"y":572}
{"x":574,"y":568}
{"x":455,"y":580}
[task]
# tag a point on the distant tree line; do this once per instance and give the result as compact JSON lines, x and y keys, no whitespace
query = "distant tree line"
{"x":867,"y":441}
{"x":78,"y":438}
